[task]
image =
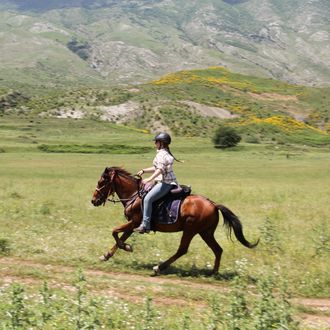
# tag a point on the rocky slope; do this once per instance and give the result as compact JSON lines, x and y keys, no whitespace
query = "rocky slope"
{"x":109,"y":41}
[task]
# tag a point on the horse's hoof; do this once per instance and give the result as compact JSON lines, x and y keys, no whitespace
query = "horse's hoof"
{"x":156,"y":270}
{"x":128,"y":248}
{"x":104,"y":257}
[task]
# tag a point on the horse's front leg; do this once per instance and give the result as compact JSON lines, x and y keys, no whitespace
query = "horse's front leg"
{"x":120,"y":242}
{"x":127,"y":228}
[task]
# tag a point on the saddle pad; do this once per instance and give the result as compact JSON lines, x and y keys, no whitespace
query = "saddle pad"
{"x":166,"y":212}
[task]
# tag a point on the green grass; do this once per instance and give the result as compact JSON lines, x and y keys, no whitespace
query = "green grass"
{"x":45,"y":200}
{"x":93,"y":149}
{"x":280,"y":192}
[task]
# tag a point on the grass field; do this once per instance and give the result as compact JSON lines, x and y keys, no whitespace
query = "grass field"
{"x":280,"y":192}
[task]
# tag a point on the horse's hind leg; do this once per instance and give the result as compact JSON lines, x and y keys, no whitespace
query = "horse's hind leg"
{"x":208,"y":237}
{"x":183,"y":248}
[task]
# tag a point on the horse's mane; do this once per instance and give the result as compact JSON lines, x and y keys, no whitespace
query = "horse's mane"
{"x":120,"y":170}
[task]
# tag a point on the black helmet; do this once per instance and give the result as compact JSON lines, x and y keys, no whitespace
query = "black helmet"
{"x":163,"y":137}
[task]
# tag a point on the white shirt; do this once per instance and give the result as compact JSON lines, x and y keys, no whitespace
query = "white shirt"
{"x":164,"y":161}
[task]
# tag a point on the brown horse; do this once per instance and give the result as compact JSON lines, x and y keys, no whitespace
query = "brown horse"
{"x":198,"y":215}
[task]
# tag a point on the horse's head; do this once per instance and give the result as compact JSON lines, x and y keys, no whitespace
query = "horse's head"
{"x":104,"y":188}
{"x":115,"y":180}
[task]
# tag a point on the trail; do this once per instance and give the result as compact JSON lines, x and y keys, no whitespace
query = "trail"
{"x":134,"y":287}
{"x":109,"y":283}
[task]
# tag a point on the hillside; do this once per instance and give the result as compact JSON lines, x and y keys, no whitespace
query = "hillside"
{"x":60,"y":43}
{"x":194,"y":103}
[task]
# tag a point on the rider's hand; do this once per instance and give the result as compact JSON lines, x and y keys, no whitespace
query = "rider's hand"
{"x":140,"y":173}
{"x":147,"y":184}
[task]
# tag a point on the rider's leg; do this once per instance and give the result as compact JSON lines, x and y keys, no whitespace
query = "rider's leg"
{"x":157,"y":192}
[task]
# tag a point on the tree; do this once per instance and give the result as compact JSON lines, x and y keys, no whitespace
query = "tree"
{"x":225,"y":137}
{"x":82,"y":49}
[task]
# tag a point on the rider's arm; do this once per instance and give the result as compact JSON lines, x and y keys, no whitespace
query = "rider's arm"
{"x":154,"y":175}
{"x":146,"y":170}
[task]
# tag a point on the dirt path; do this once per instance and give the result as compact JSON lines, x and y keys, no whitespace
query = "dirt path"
{"x":122,"y":285}
{"x":133,"y":287}
{"x":114,"y":275}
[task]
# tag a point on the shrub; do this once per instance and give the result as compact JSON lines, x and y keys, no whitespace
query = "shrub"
{"x":82,"y":49}
{"x":321,"y":239}
{"x":225,"y":137}
{"x":4,"y":246}
{"x":18,"y":313}
{"x":270,"y":239}
{"x":273,"y":311}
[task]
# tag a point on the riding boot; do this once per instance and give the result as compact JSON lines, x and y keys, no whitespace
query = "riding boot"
{"x":141,"y":229}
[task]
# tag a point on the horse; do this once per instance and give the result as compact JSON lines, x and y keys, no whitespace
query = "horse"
{"x":197,"y":215}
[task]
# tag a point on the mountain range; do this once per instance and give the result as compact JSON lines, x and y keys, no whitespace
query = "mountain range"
{"x":103,"y":42}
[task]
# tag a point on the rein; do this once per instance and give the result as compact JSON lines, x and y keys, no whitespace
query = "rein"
{"x":112,"y":191}
{"x":121,"y":200}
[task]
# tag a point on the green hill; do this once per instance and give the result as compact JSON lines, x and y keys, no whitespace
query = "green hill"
{"x":195,"y":103}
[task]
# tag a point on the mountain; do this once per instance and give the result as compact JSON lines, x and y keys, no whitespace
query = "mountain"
{"x":83,"y":42}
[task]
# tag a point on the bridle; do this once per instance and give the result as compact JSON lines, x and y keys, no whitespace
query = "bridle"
{"x":109,"y":179}
{"x":105,"y":196}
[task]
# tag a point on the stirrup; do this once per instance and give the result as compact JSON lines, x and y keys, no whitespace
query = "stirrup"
{"x":141,"y":230}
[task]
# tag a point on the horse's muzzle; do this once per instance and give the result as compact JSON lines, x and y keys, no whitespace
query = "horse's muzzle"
{"x":96,"y":202}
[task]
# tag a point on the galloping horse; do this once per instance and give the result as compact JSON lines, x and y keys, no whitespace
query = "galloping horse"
{"x":198,"y":215}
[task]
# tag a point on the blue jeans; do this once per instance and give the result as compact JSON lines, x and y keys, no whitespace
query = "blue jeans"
{"x":157,"y":192}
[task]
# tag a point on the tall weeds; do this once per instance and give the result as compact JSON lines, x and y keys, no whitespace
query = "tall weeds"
{"x":267,"y":308}
{"x":270,"y":239}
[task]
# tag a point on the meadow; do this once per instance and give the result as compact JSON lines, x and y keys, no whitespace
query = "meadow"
{"x":49,"y":230}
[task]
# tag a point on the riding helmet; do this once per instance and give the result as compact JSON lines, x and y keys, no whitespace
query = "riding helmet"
{"x":164,"y":137}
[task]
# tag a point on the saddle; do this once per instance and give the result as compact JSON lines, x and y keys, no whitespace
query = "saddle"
{"x":166,"y":210}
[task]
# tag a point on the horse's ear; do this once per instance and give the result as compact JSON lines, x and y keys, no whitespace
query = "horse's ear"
{"x":112,"y":174}
{"x":105,"y":172}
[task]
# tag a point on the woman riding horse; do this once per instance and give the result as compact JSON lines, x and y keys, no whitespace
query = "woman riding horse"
{"x":162,"y":179}
{"x":197,"y":215}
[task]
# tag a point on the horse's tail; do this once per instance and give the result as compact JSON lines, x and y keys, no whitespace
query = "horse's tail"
{"x":232,"y":222}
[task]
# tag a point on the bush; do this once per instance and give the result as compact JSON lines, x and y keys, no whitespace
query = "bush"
{"x":225,"y":137}
{"x":82,"y":49}
{"x":4,"y":246}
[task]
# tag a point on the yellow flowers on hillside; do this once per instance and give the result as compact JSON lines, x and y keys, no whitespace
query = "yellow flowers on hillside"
{"x":241,"y":85}
{"x":176,"y":78}
{"x":262,"y":102}
{"x":284,"y":123}
{"x":222,"y":77}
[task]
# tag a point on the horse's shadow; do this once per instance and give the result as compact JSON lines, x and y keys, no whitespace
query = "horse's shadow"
{"x":193,"y":272}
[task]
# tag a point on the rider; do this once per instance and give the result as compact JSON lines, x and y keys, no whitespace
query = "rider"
{"x":163,"y":178}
